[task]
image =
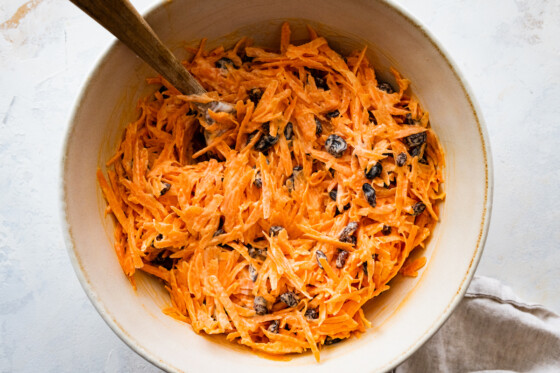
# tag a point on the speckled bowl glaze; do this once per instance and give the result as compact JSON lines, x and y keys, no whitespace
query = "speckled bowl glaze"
{"x":404,"y":317}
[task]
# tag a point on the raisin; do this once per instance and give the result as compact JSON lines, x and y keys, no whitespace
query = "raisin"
{"x":312,"y":314}
{"x":289,"y":298}
{"x":319,"y":254}
{"x":223,"y":62}
{"x":335,"y":146}
{"x":266,"y":142}
{"x":245,"y":58}
{"x":289,"y":131}
{"x":348,"y":231}
{"x":364,"y":268}
{"x":345,"y":207}
{"x":331,"y":171}
{"x":401,"y":159}
{"x":386,"y":87}
{"x":321,"y":83}
{"x":415,"y":139}
{"x":255,"y":95}
{"x":260,"y":305}
{"x":274,"y":326}
{"x":369,"y":193}
{"x":374,"y":171}
{"x":341,"y":258}
{"x":333,"y":194}
{"x":165,"y":262}
{"x":409,"y":121}
{"x":251,"y":135}
{"x":253,"y":274}
{"x":418,"y":208}
{"x":166,"y":187}
{"x":319,"y":77}
{"x":274,"y":230}
{"x":372,"y":118}
{"x":416,"y":151}
{"x":330,"y":341}
{"x":191,"y":112}
{"x":219,"y":232}
{"x":256,"y":253}
{"x":386,"y":230}
{"x":332,"y":114}
{"x":258,"y":180}
{"x":318,"y":127}
{"x":159,"y":237}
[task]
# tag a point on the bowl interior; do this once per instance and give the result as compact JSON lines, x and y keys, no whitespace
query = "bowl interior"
{"x":403,"y":317}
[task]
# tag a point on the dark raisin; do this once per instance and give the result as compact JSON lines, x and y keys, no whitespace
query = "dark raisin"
{"x":374,"y":171}
{"x":418,"y":208}
{"x":258,"y":180}
{"x":348,"y":231}
{"x":266,"y":142}
{"x":165,"y":189}
{"x":161,"y":261}
{"x":330,"y":341}
{"x":401,"y":159}
{"x":372,"y":118}
{"x":289,"y":131}
{"x":246,"y":58}
{"x":162,"y":89}
{"x":290,"y":181}
{"x":260,"y":305}
{"x":332,"y":114}
{"x":416,"y":151}
{"x":409,"y":121}
{"x":191,"y":112}
{"x":159,"y":237}
{"x":364,"y":268}
{"x":341,"y":258}
{"x":255,"y":95}
{"x":321,"y":83}
{"x":333,"y":194}
{"x":289,"y":298}
{"x":274,"y":230}
{"x":251,"y":135}
{"x":319,"y":254}
{"x":256,"y":253}
{"x":415,"y":139}
{"x":386,"y":87}
{"x":253,"y":274}
{"x":369,"y":193}
{"x":345,"y":207}
{"x":386,"y":230}
{"x":274,"y":326}
{"x":318,"y":127}
{"x":312,"y":314}
{"x":335,"y":146}
{"x":223,"y":62}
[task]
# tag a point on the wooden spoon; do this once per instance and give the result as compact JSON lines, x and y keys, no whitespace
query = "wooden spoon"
{"x":121,"y":19}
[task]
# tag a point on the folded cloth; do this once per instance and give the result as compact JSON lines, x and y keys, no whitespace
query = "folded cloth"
{"x":491,"y":330}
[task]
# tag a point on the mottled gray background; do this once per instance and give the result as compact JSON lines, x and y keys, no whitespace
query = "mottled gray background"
{"x":508,"y":50}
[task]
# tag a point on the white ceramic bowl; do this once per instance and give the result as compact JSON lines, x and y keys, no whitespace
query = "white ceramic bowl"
{"x":405,"y":316}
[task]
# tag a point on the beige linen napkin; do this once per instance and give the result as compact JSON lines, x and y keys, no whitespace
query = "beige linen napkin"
{"x":491,"y":330}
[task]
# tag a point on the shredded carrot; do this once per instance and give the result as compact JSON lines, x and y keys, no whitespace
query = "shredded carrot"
{"x":276,"y":223}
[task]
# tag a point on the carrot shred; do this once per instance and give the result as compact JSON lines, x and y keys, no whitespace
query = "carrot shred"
{"x":256,"y":204}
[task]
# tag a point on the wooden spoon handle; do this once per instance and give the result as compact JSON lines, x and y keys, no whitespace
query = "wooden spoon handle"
{"x":122,"y":20}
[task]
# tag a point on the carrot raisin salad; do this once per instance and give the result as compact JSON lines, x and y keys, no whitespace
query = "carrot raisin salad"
{"x":275,"y":223}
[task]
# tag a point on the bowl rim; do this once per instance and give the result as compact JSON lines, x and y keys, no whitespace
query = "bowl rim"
{"x":98,"y":304}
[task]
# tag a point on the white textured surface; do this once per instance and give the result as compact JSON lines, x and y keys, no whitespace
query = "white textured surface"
{"x":509,"y":51}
